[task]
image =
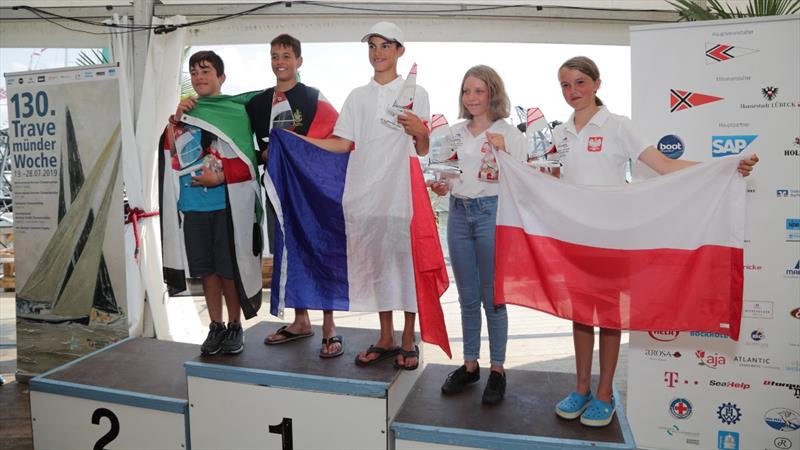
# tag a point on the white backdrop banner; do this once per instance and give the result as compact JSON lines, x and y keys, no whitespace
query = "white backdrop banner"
{"x":64,"y":135}
{"x":708,"y":90}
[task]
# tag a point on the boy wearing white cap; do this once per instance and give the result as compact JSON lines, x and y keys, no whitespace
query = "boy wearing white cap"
{"x":381,"y":156}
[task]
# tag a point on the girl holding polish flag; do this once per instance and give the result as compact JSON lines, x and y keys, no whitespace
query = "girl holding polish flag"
{"x":598,"y":145}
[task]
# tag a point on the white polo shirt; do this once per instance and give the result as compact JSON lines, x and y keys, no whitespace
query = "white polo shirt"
{"x":469,"y":157}
{"x":598,"y":155}
{"x":359,"y":121}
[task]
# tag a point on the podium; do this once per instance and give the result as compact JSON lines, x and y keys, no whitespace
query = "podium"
{"x":131,"y":394}
{"x":286,"y":397}
{"x":524,"y":420}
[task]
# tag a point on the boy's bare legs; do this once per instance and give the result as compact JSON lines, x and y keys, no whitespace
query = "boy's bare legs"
{"x":329,"y":331}
{"x":212,"y":290}
{"x":231,"y":300}
{"x":386,"y":339}
{"x":408,"y":341}
{"x":300,"y":325}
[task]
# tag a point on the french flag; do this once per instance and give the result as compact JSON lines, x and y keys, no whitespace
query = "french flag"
{"x":314,"y":261}
{"x":663,"y":254}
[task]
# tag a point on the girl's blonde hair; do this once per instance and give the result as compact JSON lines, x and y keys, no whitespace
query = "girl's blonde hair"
{"x":499,"y":104}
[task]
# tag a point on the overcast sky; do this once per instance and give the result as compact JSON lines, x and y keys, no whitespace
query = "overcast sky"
{"x":529,"y":71}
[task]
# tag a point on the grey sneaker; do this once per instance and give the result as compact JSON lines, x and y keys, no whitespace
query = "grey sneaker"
{"x":233,"y":342}
{"x":213,"y":343}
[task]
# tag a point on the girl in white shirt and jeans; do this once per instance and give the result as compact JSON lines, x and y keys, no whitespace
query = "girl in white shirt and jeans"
{"x":471,"y":224}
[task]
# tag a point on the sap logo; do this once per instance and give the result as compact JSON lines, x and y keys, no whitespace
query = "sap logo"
{"x":782,"y":419}
{"x":727,"y":440}
{"x":671,"y":146}
{"x":710,"y":361}
{"x":793,"y":272}
{"x":729,"y":413}
{"x":680,"y":408}
{"x":730,"y":145}
{"x":664,"y":336}
{"x":672,"y":379}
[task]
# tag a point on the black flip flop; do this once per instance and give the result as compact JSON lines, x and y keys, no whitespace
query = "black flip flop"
{"x":332,"y":340}
{"x":408,"y":354}
{"x":289,"y":336}
{"x":383,"y":353}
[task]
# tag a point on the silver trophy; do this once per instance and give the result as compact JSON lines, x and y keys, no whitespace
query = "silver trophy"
{"x":443,"y":158}
{"x":541,"y":151}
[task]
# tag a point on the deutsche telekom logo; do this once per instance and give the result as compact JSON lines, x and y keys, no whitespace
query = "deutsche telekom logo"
{"x":671,"y":379}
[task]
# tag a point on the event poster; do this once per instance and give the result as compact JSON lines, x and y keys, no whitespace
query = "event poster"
{"x":720,"y":89}
{"x":64,"y":136}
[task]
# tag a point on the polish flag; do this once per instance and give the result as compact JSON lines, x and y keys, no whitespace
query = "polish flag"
{"x":662,"y":254}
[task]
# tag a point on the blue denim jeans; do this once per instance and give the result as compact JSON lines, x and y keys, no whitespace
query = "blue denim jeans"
{"x":470,"y":238}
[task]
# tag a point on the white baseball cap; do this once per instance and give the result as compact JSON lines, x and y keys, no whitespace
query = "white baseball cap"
{"x":386,"y":30}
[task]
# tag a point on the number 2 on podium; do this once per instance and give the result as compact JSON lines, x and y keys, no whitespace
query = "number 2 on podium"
{"x":113,"y":432}
{"x":285,"y":430}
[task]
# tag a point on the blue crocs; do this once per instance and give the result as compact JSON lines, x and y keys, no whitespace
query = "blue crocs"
{"x":599,"y":413}
{"x":573,"y":405}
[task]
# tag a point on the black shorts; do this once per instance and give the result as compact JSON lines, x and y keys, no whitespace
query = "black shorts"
{"x":209,"y":249}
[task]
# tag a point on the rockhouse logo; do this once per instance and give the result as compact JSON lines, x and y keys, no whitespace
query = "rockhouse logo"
{"x":672,"y":379}
{"x":730,"y":145}
{"x":660,"y":355}
{"x":793,"y":271}
{"x":664,"y":336}
{"x":793,"y":387}
{"x":705,"y":334}
{"x":769,"y":92}
{"x":782,"y":419}
{"x":709,"y":360}
{"x":680,"y":100}
{"x":729,"y":413}
{"x":724,"y":52}
{"x":729,"y":384}
{"x":680,"y":408}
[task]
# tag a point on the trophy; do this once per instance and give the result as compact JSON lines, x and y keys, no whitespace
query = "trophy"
{"x":443,"y":158}
{"x":540,"y":141}
{"x":404,"y":101}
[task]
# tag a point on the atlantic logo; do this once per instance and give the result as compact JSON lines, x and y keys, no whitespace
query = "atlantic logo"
{"x":730,"y":145}
{"x":724,"y":52}
{"x":671,"y":146}
{"x":754,"y":362}
{"x":793,"y":272}
{"x":680,"y":100}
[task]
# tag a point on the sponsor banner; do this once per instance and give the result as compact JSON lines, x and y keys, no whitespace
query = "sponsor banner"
{"x":732,"y":88}
{"x":64,"y":137}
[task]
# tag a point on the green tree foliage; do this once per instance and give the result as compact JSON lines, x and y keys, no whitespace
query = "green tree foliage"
{"x":719,"y":9}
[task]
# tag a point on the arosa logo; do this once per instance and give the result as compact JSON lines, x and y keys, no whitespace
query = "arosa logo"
{"x":671,"y":146}
{"x":730,"y":145}
{"x":664,"y":336}
{"x":711,"y":361}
